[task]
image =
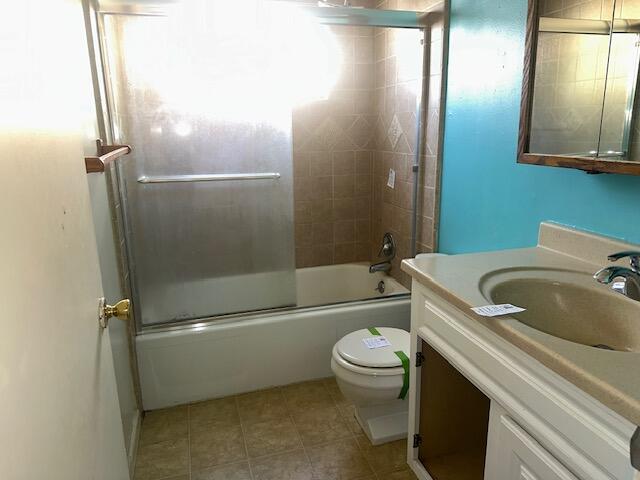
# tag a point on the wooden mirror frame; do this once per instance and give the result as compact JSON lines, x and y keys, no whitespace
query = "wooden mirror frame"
{"x":588,"y":164}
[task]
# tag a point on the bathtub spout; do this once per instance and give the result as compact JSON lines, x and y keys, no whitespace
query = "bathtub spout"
{"x":380,"y":267}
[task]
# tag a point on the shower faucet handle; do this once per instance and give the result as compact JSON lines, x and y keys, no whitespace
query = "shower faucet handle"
{"x":388,"y":248}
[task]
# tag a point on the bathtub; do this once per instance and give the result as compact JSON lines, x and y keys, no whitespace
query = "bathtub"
{"x":239,"y":353}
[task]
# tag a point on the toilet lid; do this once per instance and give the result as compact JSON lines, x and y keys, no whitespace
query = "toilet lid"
{"x":352,"y":348}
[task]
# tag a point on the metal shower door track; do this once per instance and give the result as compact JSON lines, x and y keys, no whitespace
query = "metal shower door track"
{"x":329,"y":15}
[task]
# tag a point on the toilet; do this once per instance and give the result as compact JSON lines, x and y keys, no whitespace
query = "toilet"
{"x":373,"y":379}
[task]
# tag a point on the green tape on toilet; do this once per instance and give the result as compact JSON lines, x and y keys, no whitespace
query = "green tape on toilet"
{"x":405,"y":365}
{"x":405,"y":378}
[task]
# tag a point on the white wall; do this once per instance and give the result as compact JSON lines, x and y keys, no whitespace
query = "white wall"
{"x":59,"y":412}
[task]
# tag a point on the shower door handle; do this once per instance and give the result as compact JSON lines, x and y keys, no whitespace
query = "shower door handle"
{"x":218,"y":177}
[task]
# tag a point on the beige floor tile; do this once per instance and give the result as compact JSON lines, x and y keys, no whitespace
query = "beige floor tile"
{"x":220,"y":412}
{"x":348,"y":412}
{"x":303,"y":396}
{"x":337,"y":396}
{"x":284,"y":466}
{"x":165,"y":424}
{"x":405,"y":474}
{"x":385,"y":458}
{"x":262,"y":406}
{"x":162,"y":459}
{"x":216,"y":446}
{"x":320,"y":425}
{"x":341,"y":460}
{"x":237,"y":471}
{"x":274,"y":436}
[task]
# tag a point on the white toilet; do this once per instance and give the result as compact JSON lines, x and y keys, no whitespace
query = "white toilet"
{"x":373,"y":379}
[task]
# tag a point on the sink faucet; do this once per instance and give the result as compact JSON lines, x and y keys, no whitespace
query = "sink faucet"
{"x":630,"y":284}
{"x":388,"y":249}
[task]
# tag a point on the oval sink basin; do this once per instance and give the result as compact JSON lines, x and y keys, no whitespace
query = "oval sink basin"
{"x":569,"y":305}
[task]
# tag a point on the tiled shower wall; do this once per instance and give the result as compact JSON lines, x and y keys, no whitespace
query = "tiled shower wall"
{"x":344,"y":147}
{"x":399,"y":80}
{"x":332,"y":156}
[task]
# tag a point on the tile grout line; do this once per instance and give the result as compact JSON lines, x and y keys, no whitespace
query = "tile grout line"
{"x":295,"y":426}
{"x":343,"y":415}
{"x":355,"y":438}
{"x":353,"y":435}
{"x":189,"y":441}
{"x":244,"y":438}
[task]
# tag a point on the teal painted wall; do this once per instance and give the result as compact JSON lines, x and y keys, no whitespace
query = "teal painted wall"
{"x":489,"y":201}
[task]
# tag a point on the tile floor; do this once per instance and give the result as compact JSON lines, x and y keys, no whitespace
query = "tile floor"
{"x":304,"y":431}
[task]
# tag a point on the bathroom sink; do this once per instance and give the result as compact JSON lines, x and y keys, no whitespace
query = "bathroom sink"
{"x":569,"y":305}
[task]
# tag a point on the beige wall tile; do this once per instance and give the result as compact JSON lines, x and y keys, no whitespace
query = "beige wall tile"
{"x":323,"y":233}
{"x":344,"y":186}
{"x":346,"y":137}
{"x":303,"y":234}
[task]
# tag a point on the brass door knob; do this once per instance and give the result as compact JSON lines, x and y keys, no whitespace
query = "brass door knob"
{"x":120,"y":310}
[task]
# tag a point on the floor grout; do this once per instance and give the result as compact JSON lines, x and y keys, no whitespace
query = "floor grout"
{"x":244,"y":437}
{"x":335,"y":402}
{"x":304,"y":449}
{"x":188,"y":442}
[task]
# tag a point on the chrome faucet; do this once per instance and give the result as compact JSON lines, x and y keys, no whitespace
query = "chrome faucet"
{"x":380,"y":267}
{"x":388,"y":250}
{"x":629,"y":285}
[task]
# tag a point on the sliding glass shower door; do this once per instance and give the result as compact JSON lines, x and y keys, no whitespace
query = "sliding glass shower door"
{"x":207,"y":191}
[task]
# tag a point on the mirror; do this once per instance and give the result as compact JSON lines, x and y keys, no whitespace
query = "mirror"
{"x":579,"y":102}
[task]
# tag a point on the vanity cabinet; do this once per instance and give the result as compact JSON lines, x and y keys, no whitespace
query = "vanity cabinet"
{"x":516,"y":455}
{"x":495,"y":412}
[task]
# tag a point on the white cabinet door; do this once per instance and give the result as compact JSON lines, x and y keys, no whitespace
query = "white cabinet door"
{"x":512,"y":454}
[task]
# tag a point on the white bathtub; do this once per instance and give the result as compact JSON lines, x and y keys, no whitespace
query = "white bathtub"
{"x":230,"y":355}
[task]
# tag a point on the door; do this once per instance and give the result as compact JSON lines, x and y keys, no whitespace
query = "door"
{"x":58,"y":402}
{"x":514,"y":455}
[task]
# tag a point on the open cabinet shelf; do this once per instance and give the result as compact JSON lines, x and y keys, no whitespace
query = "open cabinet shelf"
{"x":454,"y":420}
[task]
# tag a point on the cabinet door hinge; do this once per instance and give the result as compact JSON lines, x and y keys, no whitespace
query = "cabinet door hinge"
{"x":419,"y":359}
{"x":417,"y":440}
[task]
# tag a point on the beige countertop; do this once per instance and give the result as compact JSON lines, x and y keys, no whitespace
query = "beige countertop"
{"x":612,"y":377}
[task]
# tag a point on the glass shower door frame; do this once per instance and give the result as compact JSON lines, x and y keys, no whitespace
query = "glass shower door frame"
{"x":327,"y":15}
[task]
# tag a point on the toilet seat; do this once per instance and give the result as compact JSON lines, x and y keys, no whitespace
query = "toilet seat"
{"x":351,"y":352}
